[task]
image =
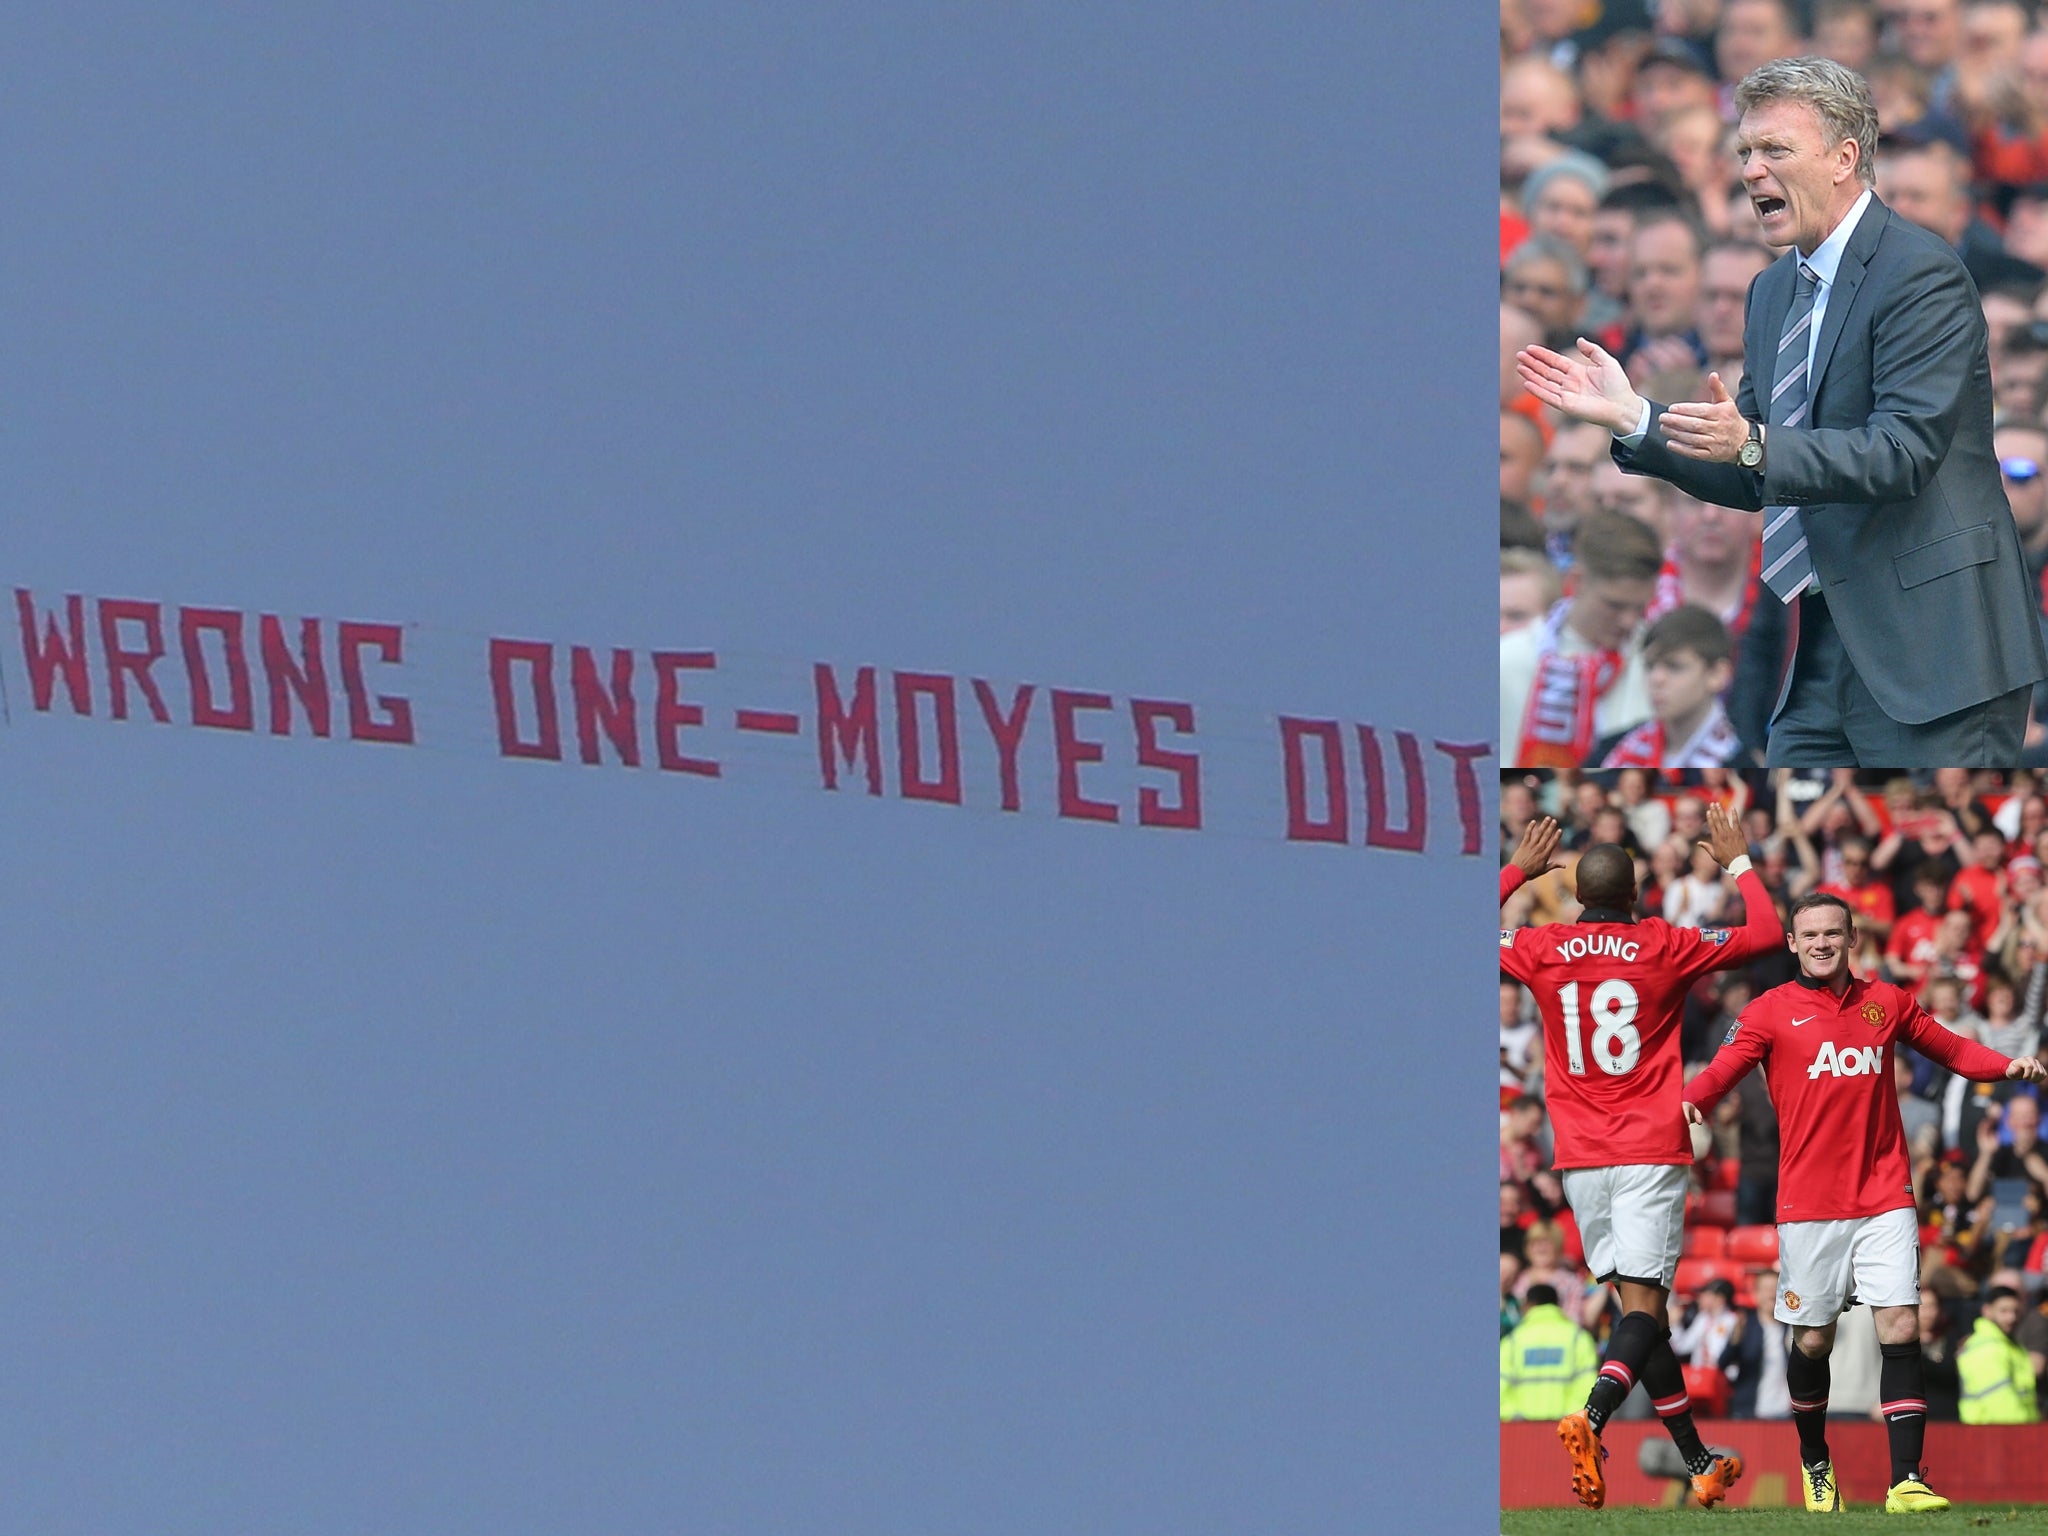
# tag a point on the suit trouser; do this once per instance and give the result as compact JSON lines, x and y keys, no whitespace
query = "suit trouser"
{"x":1826,"y":717}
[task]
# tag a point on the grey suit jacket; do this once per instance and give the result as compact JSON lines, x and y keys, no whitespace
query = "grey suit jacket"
{"x":1906,"y":519}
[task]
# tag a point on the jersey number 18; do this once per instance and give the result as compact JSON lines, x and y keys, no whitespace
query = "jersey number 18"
{"x":1616,"y":1045}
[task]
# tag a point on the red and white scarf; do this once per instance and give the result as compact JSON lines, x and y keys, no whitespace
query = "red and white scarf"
{"x":1670,"y":593}
{"x":1557,"y":722}
{"x":1713,"y":745}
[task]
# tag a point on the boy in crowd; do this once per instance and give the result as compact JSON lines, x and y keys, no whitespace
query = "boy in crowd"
{"x":1688,"y":665}
{"x":1578,"y":674}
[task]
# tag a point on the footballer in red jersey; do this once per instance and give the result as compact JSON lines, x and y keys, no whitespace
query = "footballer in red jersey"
{"x":1611,"y":990}
{"x":1846,"y":1224}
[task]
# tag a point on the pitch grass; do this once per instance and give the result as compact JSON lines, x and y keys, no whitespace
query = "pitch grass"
{"x":1993,"y":1519}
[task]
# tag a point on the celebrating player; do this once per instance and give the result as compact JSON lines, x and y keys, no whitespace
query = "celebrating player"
{"x":1846,"y":1223}
{"x":1610,"y":990}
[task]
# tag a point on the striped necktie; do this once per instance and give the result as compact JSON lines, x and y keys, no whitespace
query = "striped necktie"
{"x":1787,"y":566}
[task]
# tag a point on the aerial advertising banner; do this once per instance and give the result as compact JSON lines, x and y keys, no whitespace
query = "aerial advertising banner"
{"x":708,"y":716}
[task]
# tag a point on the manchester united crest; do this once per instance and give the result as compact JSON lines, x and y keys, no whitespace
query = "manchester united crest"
{"x":1792,"y":1300}
{"x":1873,"y":1015}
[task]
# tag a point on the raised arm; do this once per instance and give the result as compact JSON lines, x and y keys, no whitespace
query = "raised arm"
{"x":1532,"y":857}
{"x":1743,"y":1049}
{"x":1859,"y":803}
{"x":1979,"y":1182}
{"x":1965,"y":1058}
{"x":1816,"y":813}
{"x":1760,"y":932}
{"x":2037,"y":993}
{"x":1887,"y":849}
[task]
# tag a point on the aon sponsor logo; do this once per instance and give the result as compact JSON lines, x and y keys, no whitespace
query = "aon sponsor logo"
{"x":1850,"y":1061}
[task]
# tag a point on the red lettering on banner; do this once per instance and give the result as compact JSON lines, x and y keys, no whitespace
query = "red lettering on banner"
{"x":1184,"y":766}
{"x":1008,"y":733}
{"x":388,"y":641}
{"x":538,"y":657}
{"x":910,"y":687}
{"x":122,"y":663}
{"x":600,"y":709}
{"x":1334,"y":825}
{"x":672,"y":713}
{"x":216,"y":650}
{"x":845,"y":732}
{"x":304,"y":679}
{"x":240,"y":713}
{"x":49,"y":654}
{"x":1074,"y":753}
{"x":1468,"y":791}
{"x":1415,"y":792}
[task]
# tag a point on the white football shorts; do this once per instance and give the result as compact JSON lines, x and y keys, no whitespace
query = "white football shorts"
{"x":1631,"y":1218}
{"x":1821,"y":1264}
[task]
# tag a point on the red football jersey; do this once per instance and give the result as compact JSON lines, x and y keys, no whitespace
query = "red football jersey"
{"x":1611,"y":991}
{"x":1976,"y":891}
{"x":1912,"y":942}
{"x":1872,"y":900}
{"x":1828,"y":1063}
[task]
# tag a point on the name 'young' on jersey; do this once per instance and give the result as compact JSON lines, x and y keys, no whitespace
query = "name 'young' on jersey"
{"x":1611,"y":989}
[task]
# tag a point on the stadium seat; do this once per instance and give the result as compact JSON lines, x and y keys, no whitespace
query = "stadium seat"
{"x":1705,"y":1243}
{"x":1726,"y":1174}
{"x":1753,"y":1245}
{"x":1694,"y":1273}
{"x":1717,"y":1208}
{"x":1709,"y":1390}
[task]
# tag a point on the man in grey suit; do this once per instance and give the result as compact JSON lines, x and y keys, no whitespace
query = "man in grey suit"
{"x":1862,"y":431}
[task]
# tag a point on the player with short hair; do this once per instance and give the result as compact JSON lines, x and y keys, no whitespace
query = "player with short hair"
{"x":1846,"y":1223}
{"x":1610,"y":989}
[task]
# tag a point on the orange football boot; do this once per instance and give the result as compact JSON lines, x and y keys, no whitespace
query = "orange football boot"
{"x":1589,"y":1482}
{"x":1712,"y":1485}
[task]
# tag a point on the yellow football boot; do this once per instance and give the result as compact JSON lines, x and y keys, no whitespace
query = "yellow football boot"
{"x":1818,"y":1484}
{"x":1912,"y":1496}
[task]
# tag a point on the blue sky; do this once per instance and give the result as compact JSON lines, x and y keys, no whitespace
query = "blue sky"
{"x":411,"y":1140}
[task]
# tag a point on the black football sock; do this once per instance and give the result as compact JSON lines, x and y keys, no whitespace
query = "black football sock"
{"x":1626,"y":1347}
{"x":1904,"y":1405}
{"x":1665,"y":1382}
{"x":1807,"y":1380}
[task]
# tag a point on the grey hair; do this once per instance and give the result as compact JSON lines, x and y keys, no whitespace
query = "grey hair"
{"x":1839,"y":97}
{"x":1573,"y":163}
{"x":1541,"y":247}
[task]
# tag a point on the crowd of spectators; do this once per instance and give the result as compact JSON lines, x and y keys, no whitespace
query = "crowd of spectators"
{"x":1623,"y":219}
{"x":1944,"y":871}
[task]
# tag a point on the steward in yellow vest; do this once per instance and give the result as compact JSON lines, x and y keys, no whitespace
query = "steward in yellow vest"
{"x":1547,"y":1364}
{"x":1997,"y":1377}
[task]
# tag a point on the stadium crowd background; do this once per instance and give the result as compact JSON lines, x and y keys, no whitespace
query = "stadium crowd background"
{"x":1623,"y":219}
{"x":1945,"y":872}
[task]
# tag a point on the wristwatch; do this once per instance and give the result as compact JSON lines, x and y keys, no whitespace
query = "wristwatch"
{"x":1751,"y":453}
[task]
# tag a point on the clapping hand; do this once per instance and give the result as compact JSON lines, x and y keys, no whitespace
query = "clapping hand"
{"x":1590,"y":387}
{"x":1712,"y":430}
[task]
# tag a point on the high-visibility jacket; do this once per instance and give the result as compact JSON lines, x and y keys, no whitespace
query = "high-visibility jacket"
{"x":1997,"y":1378}
{"x":1547,"y":1366}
